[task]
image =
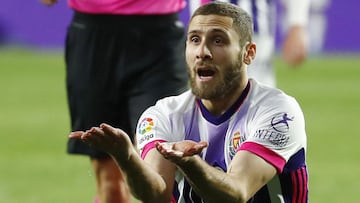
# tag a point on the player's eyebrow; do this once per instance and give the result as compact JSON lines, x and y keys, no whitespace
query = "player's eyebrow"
{"x":214,"y":30}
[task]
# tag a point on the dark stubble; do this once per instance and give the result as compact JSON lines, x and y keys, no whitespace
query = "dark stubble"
{"x":227,"y":85}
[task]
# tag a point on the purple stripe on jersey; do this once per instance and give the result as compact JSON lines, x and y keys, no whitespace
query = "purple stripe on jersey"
{"x":270,"y":156}
{"x":215,"y":151}
{"x":192,"y":126}
{"x":216,"y":138}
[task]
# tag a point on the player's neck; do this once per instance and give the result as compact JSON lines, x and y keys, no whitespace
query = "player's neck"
{"x":219,"y":106}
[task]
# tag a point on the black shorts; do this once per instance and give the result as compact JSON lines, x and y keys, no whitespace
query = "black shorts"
{"x":117,"y":66}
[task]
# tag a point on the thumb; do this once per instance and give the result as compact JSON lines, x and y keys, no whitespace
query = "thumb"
{"x":199,"y":147}
{"x":203,"y":144}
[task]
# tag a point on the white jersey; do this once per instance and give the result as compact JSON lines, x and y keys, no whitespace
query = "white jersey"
{"x":264,"y":121}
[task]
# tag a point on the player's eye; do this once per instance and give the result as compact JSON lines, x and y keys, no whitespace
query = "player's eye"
{"x":195,"y":39}
{"x":218,"y":40}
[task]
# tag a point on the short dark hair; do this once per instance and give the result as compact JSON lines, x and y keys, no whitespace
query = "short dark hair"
{"x":242,"y":21}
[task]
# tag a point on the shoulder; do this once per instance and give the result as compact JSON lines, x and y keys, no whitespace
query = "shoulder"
{"x":276,"y":121}
{"x":169,"y":108}
{"x":271,"y":108}
{"x":172,"y":104}
{"x":164,"y":120}
{"x":271,"y":99}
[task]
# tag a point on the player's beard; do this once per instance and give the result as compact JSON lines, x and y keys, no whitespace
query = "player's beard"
{"x":229,"y":82}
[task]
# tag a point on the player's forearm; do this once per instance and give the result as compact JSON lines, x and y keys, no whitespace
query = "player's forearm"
{"x":212,"y":184}
{"x":144,"y":182}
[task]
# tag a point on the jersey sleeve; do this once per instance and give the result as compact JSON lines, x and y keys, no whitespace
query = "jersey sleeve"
{"x":277,"y":133}
{"x":163,"y":122}
{"x":152,"y":127}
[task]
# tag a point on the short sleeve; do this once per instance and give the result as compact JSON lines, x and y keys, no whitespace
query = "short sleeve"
{"x":278,"y":133}
{"x":152,"y":126}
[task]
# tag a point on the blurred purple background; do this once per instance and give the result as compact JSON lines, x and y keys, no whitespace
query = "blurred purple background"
{"x":30,"y":23}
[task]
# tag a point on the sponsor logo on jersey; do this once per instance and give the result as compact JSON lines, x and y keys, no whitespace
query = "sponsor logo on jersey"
{"x":276,"y":133}
{"x":146,"y":125}
{"x":273,"y":137}
{"x":145,"y":129}
{"x":280,"y":122}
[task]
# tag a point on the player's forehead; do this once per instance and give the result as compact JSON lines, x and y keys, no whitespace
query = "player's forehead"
{"x":206,"y":23}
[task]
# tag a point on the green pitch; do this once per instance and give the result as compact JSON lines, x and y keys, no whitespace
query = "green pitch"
{"x":34,"y":123}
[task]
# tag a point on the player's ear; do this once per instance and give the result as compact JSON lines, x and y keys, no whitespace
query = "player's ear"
{"x":250,"y":52}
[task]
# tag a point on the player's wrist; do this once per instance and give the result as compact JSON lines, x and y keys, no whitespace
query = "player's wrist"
{"x":124,"y":157}
{"x":188,"y":163}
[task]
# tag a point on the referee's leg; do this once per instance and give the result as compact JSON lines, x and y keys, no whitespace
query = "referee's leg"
{"x":111,"y":184}
{"x":88,"y":105}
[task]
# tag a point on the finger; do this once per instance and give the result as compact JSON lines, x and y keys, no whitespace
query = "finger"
{"x":167,"y":149}
{"x":200,"y":146}
{"x":96,"y":131}
{"x":160,"y":147}
{"x":96,"y":135}
{"x":196,"y":148}
{"x":76,"y":134}
{"x":176,"y":153}
{"x":163,"y":148}
{"x":203,"y":144}
{"x":111,"y":131}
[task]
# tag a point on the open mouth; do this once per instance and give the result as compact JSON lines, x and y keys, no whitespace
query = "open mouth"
{"x":205,"y":73}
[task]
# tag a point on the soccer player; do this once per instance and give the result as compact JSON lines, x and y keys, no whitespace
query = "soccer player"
{"x":293,"y":23}
{"x":121,"y":57}
{"x":228,"y":139}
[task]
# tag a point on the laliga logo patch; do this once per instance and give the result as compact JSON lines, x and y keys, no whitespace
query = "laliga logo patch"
{"x":280,"y":122}
{"x":235,"y":142}
{"x":145,"y":126}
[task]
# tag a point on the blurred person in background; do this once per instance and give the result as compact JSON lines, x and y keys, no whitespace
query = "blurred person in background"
{"x":317,"y":26}
{"x":121,"y":57}
{"x":264,"y":14}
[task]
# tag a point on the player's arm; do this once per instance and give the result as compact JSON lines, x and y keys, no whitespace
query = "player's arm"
{"x":247,"y":173}
{"x":165,"y":170}
{"x":295,"y":44}
{"x":147,"y":180}
{"x":150,"y":180}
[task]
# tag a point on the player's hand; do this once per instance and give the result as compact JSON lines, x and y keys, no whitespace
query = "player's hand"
{"x":294,"y":50}
{"x":49,"y":2}
{"x":106,"y":138}
{"x":178,"y":151}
